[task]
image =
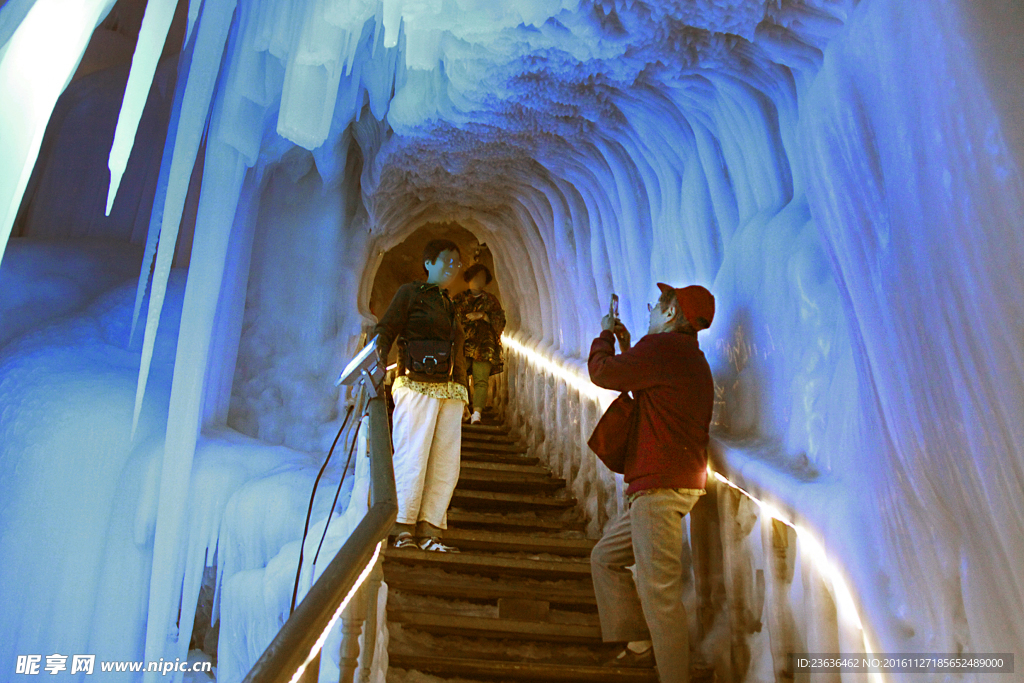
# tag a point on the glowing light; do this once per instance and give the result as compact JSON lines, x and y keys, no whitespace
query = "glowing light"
{"x":814,"y":550}
{"x":318,"y":645}
{"x":583,"y":385}
{"x":809,"y":544}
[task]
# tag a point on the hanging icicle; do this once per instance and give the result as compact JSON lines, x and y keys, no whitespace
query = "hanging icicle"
{"x":152,"y":36}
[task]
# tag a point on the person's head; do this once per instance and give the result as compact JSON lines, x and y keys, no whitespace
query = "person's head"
{"x":442,"y":261}
{"x":687,"y":310}
{"x":477,"y":276}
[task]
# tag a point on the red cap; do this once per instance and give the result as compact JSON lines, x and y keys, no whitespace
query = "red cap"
{"x":694,"y":301}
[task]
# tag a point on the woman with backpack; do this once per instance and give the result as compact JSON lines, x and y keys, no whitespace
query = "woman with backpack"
{"x":430,"y":395}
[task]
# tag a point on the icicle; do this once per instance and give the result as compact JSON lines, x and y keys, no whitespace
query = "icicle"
{"x":209,"y":46}
{"x":152,"y":36}
{"x":156,"y":215}
{"x":36,"y":63}
{"x":392,"y":20}
{"x":224,"y":171}
{"x":222,"y":180}
{"x":193,"y":14}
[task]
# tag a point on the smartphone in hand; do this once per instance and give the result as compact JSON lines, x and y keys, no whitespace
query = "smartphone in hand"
{"x":613,"y":308}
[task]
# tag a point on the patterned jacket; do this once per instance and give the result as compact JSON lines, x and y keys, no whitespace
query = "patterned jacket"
{"x":483,"y":337}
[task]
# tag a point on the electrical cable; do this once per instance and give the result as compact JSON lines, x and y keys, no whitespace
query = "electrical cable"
{"x":344,"y":473}
{"x":312,"y":495}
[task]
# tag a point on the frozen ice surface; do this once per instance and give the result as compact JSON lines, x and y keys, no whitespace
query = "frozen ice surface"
{"x":844,"y":176}
{"x":44,"y":279}
{"x":71,"y":478}
{"x":80,"y":498}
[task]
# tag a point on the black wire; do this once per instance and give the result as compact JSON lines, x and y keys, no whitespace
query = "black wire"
{"x":337,"y":493}
{"x":309,"y":512}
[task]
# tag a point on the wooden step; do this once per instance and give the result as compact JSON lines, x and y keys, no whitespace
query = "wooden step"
{"x":494,"y":430}
{"x":507,"y":467}
{"x":496,"y":439}
{"x":495,"y":457}
{"x":521,"y":671}
{"x":509,"y":501}
{"x":437,"y":583}
{"x":489,"y":447}
{"x":491,"y":565}
{"x":526,"y":522}
{"x":496,"y":541}
{"x":476,"y":480}
{"x":463,"y":625}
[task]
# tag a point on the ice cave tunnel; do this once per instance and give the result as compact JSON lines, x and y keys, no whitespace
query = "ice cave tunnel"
{"x":204,"y":206}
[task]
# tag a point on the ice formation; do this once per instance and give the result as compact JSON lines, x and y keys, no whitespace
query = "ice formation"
{"x":845,"y":177}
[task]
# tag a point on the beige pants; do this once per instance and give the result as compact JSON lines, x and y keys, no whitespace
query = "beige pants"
{"x":427,"y":436}
{"x":649,"y":534}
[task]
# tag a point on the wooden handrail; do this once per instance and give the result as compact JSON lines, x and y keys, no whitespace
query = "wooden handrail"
{"x":299,"y":640}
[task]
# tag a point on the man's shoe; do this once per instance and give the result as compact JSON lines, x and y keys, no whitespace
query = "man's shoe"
{"x":627,"y":659}
{"x":476,"y":418}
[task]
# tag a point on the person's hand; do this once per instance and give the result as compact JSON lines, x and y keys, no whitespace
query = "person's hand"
{"x":475,"y":316}
{"x":608,"y":323}
{"x":622,"y":334}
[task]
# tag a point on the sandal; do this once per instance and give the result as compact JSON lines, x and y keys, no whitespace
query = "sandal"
{"x":434,"y":545}
{"x":405,"y":540}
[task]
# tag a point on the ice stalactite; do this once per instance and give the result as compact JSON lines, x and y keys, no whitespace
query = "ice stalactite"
{"x":211,"y":36}
{"x":44,"y":45}
{"x":160,"y":196}
{"x":150,"y":45}
{"x":223,"y":177}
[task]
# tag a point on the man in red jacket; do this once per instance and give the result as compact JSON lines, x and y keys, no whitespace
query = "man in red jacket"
{"x":665,"y":469}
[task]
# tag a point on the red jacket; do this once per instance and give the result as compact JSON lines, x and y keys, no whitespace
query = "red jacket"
{"x":671,"y":382}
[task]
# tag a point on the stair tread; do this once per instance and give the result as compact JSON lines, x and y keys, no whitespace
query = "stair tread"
{"x":470,"y":480}
{"x":476,"y":539}
{"x":527,"y":671}
{"x":485,"y":429}
{"x":508,"y":458}
{"x":523,"y":499}
{"x":490,"y":447}
{"x":439,"y":583}
{"x":478,"y":437}
{"x":510,"y":521}
{"x":495,"y":627}
{"x":538,"y":470}
{"x":493,"y":565}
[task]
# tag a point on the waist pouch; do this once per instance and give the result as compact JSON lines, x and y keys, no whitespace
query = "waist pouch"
{"x":429,"y":356}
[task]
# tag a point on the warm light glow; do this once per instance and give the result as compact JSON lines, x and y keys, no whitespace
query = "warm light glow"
{"x":813,"y":549}
{"x":318,"y":645}
{"x":809,"y":544}
{"x":583,"y":385}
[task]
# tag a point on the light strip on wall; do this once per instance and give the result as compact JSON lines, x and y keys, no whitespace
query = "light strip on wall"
{"x":845,"y":603}
{"x":551,"y":366}
{"x":814,"y":549}
{"x":318,"y":645}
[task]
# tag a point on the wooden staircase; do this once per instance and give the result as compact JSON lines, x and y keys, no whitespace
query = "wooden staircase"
{"x":517,"y":603}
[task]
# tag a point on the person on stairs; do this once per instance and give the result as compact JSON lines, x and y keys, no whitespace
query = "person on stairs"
{"x":665,"y":469}
{"x":484,"y":321}
{"x":429,"y":394}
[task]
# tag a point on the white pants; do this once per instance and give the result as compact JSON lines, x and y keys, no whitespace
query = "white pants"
{"x":427,"y":435}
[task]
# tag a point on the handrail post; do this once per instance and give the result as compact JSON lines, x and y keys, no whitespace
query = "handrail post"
{"x":372,"y":590}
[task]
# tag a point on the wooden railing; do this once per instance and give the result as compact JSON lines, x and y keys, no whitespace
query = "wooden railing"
{"x":294,"y":654}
